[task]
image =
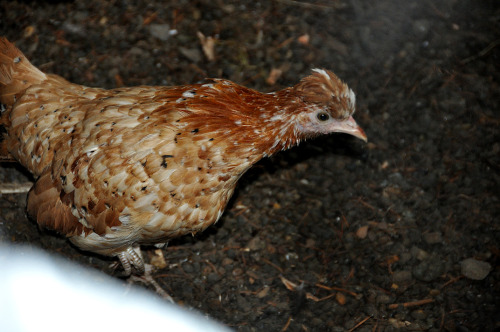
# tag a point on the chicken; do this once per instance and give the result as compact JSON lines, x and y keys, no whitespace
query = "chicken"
{"x":118,"y":168}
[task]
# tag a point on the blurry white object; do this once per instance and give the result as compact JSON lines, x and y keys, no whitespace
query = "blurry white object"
{"x":41,"y":293}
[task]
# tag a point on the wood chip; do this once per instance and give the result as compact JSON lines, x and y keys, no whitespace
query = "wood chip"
{"x":362,"y":232}
{"x":274,"y":76}
{"x":304,"y":39}
{"x":341,"y":299}
{"x":288,"y":284}
{"x":158,"y":260}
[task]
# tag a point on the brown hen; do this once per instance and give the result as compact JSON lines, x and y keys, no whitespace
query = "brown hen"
{"x":118,"y":168}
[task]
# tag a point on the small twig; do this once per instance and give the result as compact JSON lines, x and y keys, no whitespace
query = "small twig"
{"x":437,"y":11}
{"x":366,"y":204}
{"x":410,"y":304}
{"x":309,"y":296}
{"x":459,"y":311}
{"x":272,"y":264}
{"x":359,"y":324}
{"x":442,"y":320}
{"x":231,"y":247}
{"x":212,"y":266}
{"x":15,"y":188}
{"x":337,"y":289}
{"x":451,"y":281}
{"x":287,"y":324}
{"x":240,"y":211}
{"x":483,"y":52}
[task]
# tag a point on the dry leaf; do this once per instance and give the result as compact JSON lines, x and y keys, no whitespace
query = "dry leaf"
{"x":288,"y":284}
{"x":150,"y":18}
{"x":207,"y":45}
{"x":263,"y":292}
{"x":309,"y":296}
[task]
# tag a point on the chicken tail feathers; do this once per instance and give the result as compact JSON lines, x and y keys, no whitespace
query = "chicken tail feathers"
{"x":4,"y":153}
{"x":5,"y":156}
{"x":16,"y":75}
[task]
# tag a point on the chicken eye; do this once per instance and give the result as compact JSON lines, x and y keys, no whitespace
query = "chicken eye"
{"x":323,"y":116}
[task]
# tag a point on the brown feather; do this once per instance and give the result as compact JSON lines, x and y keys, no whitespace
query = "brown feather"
{"x":51,"y":209}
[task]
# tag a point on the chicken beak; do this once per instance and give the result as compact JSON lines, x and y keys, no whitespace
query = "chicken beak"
{"x":349,"y":126}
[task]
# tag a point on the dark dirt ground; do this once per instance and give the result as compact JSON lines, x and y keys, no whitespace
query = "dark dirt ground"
{"x":361,"y":227}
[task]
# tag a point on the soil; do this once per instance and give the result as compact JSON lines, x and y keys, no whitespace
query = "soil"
{"x":367,"y":237}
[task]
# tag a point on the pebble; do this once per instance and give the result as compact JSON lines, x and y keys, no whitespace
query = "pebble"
{"x":160,"y":31}
{"x":370,"y":310}
{"x":429,"y":269}
{"x":384,"y":299}
{"x":404,"y":257}
{"x":255,"y":243}
{"x":188,"y":268}
{"x":418,"y":253}
{"x":475,"y":269}
{"x":237,"y":272}
{"x":213,"y":277}
{"x":316,"y":321}
{"x":419,"y":314}
{"x":433,"y":238}
{"x":227,"y":261}
{"x":470,"y":296}
{"x":421,"y":27}
{"x":193,"y":54}
{"x":231,"y":253}
{"x":76,"y":29}
{"x":243,"y":304}
{"x":401,"y":276}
